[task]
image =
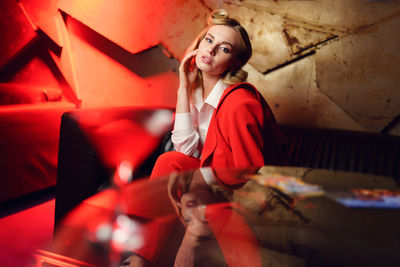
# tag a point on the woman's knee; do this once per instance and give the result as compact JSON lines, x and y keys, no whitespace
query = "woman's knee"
{"x":173,"y":161}
{"x":168,"y":157}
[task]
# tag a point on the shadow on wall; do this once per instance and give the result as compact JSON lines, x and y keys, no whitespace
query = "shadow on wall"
{"x":150,"y":62}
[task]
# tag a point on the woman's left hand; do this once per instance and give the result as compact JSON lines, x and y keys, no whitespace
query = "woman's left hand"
{"x":188,"y":71}
{"x":187,"y":77}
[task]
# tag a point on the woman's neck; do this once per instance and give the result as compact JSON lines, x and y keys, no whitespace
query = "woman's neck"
{"x":209,"y":81}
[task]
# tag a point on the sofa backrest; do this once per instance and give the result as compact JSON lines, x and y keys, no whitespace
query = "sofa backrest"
{"x":372,"y":153}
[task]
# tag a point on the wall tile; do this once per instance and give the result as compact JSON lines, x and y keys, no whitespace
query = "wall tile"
{"x":295,"y":99}
{"x":336,"y":16}
{"x":137,"y":25}
{"x":16,"y":31}
{"x":360,"y":73}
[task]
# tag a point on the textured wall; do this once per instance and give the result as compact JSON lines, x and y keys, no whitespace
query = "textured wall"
{"x":329,"y":64}
{"x":100,"y":53}
{"x":319,"y":63}
{"x":125,"y":52}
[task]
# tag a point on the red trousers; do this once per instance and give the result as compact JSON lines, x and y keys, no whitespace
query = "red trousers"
{"x":173,"y":162}
{"x":235,"y":238}
{"x":158,"y":230}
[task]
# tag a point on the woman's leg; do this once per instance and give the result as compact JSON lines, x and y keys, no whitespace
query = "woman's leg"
{"x":173,"y":162}
{"x":158,"y":230}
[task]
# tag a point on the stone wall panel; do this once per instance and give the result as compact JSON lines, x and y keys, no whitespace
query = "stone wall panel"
{"x":360,"y":73}
{"x":355,"y":45}
{"x":294,"y":98}
{"x":266,"y":34}
{"x":339,"y":15}
{"x":276,"y":40}
{"x":137,"y":25}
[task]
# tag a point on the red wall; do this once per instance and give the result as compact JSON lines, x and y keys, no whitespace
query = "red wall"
{"x":99,"y":53}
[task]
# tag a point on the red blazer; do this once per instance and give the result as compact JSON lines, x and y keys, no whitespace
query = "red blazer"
{"x":243,"y":132}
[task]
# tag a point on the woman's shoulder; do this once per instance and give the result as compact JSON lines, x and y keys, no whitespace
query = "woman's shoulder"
{"x":242,"y":92}
{"x":242,"y":85}
{"x":239,"y":98}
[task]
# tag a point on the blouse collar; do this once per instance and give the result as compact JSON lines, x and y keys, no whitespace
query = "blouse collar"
{"x":213,"y":98}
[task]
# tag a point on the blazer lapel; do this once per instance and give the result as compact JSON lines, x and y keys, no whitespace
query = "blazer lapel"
{"x":210,"y":143}
{"x":211,"y":139}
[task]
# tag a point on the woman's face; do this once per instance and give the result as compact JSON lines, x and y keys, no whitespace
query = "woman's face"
{"x":218,"y":50}
{"x":193,"y":205}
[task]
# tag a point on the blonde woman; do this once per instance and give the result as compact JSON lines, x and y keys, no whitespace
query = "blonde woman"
{"x":221,"y":121}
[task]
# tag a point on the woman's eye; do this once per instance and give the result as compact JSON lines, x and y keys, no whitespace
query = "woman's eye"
{"x":208,"y":40}
{"x":225,"y":50}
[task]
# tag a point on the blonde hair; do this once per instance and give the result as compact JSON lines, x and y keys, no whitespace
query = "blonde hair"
{"x":235,"y":74}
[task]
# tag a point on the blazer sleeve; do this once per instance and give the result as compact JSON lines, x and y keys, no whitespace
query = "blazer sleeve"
{"x":245,"y":120}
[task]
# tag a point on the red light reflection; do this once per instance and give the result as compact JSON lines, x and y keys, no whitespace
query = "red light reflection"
{"x":124,"y":134}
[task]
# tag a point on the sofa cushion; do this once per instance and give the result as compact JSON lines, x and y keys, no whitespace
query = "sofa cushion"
{"x":12,"y":94}
{"x":29,"y":147}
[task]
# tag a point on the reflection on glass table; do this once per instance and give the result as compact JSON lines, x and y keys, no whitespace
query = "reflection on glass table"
{"x":273,"y":216}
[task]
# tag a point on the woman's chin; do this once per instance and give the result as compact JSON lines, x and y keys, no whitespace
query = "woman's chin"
{"x":209,"y":72}
{"x":203,"y":66}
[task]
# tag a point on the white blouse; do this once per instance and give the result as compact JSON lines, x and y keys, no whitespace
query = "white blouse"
{"x":190,"y":129}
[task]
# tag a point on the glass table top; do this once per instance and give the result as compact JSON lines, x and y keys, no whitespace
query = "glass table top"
{"x":273,"y":216}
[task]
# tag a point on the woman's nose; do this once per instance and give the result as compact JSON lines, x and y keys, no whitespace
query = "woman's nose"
{"x":212,"y":49}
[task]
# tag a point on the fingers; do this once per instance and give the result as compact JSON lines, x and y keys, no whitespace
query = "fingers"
{"x":188,"y":70}
{"x":190,"y":55}
{"x":187,"y":61}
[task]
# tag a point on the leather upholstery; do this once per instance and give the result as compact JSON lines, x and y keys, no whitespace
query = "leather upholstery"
{"x":363,"y":152}
{"x":93,"y":142}
{"x":81,"y":171}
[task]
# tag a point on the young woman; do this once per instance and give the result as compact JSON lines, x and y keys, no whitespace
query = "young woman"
{"x":221,"y":121}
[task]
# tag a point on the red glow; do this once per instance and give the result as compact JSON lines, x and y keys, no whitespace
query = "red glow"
{"x":122,"y":22}
{"x":121,"y":135}
{"x":238,"y":243}
{"x":29,"y":161}
{"x":55,"y":259}
{"x":42,"y":14}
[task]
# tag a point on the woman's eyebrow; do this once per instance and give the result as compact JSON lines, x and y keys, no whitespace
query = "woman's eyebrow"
{"x":212,"y":36}
{"x":227,"y":43}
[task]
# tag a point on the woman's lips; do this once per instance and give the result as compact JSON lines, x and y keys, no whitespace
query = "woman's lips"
{"x":206,"y":60}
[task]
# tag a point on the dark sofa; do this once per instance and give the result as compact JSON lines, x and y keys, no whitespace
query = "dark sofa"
{"x":355,"y":151}
{"x":82,"y":167}
{"x":94,"y":141}
{"x":29,"y":136}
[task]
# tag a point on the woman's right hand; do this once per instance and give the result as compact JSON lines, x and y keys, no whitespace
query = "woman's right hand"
{"x":188,"y":71}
